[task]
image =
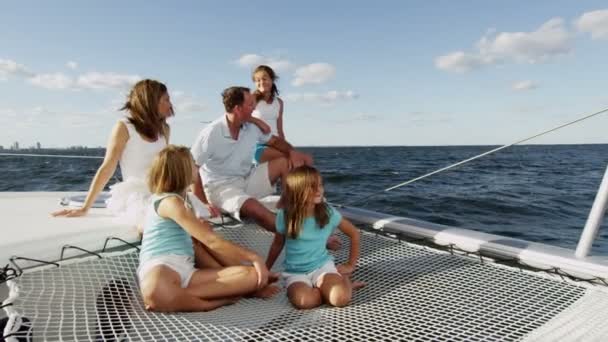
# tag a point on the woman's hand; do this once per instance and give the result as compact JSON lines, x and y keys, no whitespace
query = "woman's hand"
{"x":70,"y":212}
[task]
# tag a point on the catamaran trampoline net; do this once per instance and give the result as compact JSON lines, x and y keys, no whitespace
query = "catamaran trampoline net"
{"x":413,"y":293}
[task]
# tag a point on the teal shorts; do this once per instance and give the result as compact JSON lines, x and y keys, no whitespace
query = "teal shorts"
{"x":259,"y":150}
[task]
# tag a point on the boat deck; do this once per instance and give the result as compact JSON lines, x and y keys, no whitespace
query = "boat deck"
{"x":415,"y":293}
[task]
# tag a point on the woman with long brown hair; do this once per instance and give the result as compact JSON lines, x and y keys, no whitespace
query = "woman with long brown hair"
{"x":134,"y":142}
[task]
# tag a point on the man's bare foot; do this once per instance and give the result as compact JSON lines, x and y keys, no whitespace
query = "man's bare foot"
{"x":333,"y":243}
{"x":267,"y":292}
{"x":358,"y":284}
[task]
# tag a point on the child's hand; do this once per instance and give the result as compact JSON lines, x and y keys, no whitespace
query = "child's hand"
{"x":346,"y":269}
{"x":262,"y":270}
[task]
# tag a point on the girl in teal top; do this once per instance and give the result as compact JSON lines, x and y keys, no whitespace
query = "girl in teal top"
{"x":303,"y":226}
{"x":168,"y":279}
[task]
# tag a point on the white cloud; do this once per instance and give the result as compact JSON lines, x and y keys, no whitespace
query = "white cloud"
{"x":459,"y":62}
{"x":52,"y":81}
{"x":6,"y":113}
{"x":594,"y":22}
{"x":315,"y":73}
{"x":357,"y":118}
{"x":328,"y":97}
{"x":72,"y":65}
{"x":189,"y":106}
{"x":524,"y":85}
{"x":9,"y":67}
{"x":550,"y":40}
{"x":41,"y":117}
{"x":97,"y":80}
{"x":91,"y":80}
{"x":252,"y":60}
{"x":366,"y":117}
{"x":183,"y":103}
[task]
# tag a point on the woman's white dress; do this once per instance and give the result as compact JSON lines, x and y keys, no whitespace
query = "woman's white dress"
{"x":129,"y":198}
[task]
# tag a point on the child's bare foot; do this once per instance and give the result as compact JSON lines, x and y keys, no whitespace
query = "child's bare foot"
{"x":273,"y":277}
{"x":334,"y":243}
{"x":267,"y":292}
{"x":358,"y":284}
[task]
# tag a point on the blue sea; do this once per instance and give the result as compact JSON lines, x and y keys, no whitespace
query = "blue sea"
{"x":541,"y":193}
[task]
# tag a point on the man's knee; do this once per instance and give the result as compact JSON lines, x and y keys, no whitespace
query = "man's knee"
{"x":253,"y":209}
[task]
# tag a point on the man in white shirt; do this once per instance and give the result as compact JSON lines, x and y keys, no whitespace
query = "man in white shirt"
{"x":223,"y":152}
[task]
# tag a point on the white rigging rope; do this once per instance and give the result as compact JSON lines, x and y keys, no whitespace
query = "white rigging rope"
{"x":476,"y":157}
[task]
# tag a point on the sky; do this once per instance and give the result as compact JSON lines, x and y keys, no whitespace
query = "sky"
{"x":351,"y":72}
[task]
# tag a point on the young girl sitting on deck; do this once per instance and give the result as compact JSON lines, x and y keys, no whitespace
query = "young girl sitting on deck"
{"x":303,"y":225}
{"x":269,"y":109}
{"x":168,"y":279}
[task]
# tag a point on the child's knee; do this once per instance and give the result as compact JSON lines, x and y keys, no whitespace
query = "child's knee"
{"x":158,"y":300}
{"x":340,"y":296}
{"x":250,"y":277}
{"x":305,"y":301}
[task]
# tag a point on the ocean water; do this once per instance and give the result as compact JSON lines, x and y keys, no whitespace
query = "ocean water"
{"x":540,"y":193}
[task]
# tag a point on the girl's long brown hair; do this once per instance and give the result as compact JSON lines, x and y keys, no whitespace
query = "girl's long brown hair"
{"x":301,"y":184}
{"x":274,"y":92}
{"x":142,"y":106}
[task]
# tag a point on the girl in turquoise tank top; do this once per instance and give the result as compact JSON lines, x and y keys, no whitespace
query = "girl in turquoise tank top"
{"x":303,"y":226}
{"x":168,"y":278}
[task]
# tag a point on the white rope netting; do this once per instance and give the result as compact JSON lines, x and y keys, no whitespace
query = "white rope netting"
{"x":414,"y":293}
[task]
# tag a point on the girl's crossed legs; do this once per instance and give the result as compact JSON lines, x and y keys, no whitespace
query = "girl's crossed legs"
{"x":207,"y":289}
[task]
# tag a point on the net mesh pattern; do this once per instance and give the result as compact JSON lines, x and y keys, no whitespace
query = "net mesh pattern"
{"x":413,"y":293}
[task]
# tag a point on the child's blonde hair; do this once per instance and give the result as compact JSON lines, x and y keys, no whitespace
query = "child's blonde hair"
{"x":171,"y":170}
{"x":301,"y":185}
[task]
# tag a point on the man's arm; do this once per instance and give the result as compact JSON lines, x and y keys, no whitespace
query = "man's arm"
{"x":197,"y":190}
{"x":263,"y":126}
{"x":197,"y":187}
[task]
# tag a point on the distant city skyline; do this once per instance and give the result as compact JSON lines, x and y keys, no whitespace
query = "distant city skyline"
{"x":402,"y":73}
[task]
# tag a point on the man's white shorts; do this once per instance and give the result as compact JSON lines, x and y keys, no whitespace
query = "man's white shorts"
{"x":181,"y":264}
{"x":312,"y":279}
{"x":230,"y":195}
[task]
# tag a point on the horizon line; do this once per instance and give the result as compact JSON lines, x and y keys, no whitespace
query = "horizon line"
{"x":329,"y":146}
